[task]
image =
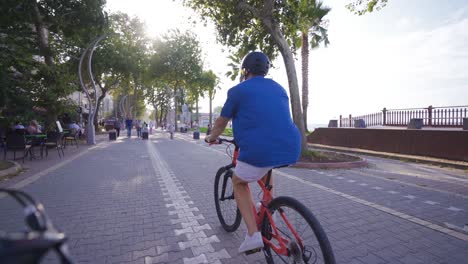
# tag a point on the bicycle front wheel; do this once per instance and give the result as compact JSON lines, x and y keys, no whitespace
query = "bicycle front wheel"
{"x":228,"y":214}
{"x":301,"y":232}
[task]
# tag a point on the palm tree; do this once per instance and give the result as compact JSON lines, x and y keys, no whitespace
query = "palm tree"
{"x":209,"y":83}
{"x":313,"y":31}
{"x":235,"y":63}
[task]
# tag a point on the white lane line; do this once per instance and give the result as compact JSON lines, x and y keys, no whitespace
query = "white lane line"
{"x":409,"y":196}
{"x":351,"y":181}
{"x":37,"y":176}
{"x":431,"y":202}
{"x":455,"y":209}
{"x":340,"y":178}
{"x":363,"y":184}
{"x":456,"y":227}
{"x":377,"y":188}
{"x":411,"y":184}
{"x":180,"y":204}
{"x":440,"y":177}
{"x":393,"y":192}
{"x":390,"y":211}
{"x":410,"y":218}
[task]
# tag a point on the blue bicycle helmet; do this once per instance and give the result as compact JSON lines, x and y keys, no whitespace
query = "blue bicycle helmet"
{"x":256,"y":63}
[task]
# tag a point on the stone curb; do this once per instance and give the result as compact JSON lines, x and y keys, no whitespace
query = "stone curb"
{"x":16,"y":167}
{"x":331,"y":165}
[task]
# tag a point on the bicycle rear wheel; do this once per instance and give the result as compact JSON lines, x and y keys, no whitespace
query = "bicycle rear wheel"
{"x":305,"y":239}
{"x":226,"y":208}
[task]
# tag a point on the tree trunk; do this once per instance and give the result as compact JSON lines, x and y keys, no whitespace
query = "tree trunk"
{"x":175,"y":108}
{"x":135,"y":101}
{"x":196,"y":119}
{"x":161,"y":114}
{"x":42,"y":35}
{"x":305,"y":76}
{"x":156,"y":117}
{"x":100,"y":98}
{"x":292,"y":76}
{"x":210,"y":95}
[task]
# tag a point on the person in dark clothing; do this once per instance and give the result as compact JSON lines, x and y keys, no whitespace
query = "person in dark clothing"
{"x":129,"y":125}
{"x":117,"y":127}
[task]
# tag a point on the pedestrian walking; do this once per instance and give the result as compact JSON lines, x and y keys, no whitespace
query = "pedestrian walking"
{"x":129,"y":125}
{"x":151,"y":127}
{"x":117,"y":127}
{"x":138,"y":127}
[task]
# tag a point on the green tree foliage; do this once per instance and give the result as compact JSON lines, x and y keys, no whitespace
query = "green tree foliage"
{"x":38,"y":42}
{"x":268,"y":25}
{"x":235,"y":62}
{"x":121,"y":59}
{"x":217,"y":109}
{"x":209,"y":83}
{"x":361,"y":7}
{"x":176,"y":62}
{"x":158,"y":97}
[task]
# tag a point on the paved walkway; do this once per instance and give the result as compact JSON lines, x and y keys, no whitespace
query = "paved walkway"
{"x":135,"y":201}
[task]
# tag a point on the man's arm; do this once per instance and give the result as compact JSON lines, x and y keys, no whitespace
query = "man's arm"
{"x":218,"y":128}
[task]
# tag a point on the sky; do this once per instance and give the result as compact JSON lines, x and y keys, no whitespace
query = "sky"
{"x":409,"y":54}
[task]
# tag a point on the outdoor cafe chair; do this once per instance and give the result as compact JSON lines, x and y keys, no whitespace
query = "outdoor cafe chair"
{"x":54,"y":140}
{"x":20,"y":131}
{"x":71,"y":137}
{"x":16,"y":142}
{"x":37,"y":141}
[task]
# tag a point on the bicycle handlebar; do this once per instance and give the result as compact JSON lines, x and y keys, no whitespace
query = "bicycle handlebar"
{"x":222,"y":140}
{"x":30,"y":246}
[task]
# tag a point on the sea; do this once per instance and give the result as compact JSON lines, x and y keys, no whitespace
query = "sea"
{"x":312,"y":127}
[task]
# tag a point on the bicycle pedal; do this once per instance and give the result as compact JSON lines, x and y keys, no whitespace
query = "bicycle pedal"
{"x":252,"y":251}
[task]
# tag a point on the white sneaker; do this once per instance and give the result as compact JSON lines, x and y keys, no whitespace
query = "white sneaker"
{"x":251,"y":243}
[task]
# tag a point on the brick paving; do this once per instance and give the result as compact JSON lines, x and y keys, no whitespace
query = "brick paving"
{"x":135,"y":201}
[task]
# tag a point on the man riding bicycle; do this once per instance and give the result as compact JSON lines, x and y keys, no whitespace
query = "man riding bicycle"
{"x":263,"y":130}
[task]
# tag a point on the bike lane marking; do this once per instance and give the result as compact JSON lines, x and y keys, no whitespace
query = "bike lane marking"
{"x":411,"y":184}
{"x":179,"y":203}
{"x":37,"y":176}
{"x":390,"y":211}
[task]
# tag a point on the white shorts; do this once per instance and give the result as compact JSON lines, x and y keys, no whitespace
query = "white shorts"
{"x":249,"y":173}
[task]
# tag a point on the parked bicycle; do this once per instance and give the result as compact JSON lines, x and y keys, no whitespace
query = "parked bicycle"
{"x":32,"y":245}
{"x":290,"y":232}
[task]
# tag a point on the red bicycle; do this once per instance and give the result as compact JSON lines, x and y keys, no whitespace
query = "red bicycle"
{"x":293,"y":235}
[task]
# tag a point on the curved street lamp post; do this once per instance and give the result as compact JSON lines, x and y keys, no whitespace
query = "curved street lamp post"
{"x":92,"y":107}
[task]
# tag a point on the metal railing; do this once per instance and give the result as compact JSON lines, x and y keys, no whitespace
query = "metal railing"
{"x":445,"y":116}
{"x":374,"y":119}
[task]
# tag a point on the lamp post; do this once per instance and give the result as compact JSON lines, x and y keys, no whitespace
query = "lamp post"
{"x":92,"y":110}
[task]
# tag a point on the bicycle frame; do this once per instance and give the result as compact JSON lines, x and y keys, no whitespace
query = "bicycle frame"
{"x":267,"y":197}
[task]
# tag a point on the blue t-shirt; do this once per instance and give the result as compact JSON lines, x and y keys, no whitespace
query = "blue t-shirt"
{"x":262,"y":123}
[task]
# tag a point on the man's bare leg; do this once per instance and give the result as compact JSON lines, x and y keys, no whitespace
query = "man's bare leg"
{"x":244,"y":203}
